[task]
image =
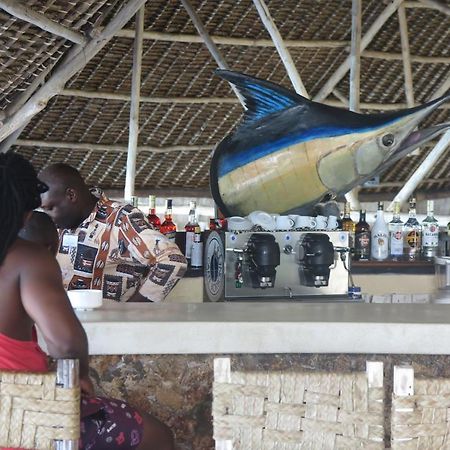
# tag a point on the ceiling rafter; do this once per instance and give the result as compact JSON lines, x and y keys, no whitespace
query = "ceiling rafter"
{"x":17,"y":9}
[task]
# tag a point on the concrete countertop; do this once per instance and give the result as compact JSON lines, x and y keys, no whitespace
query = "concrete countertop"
{"x":270,"y":327}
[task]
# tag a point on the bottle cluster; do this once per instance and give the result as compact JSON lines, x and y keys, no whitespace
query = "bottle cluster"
{"x":193,"y":242}
{"x":393,"y":240}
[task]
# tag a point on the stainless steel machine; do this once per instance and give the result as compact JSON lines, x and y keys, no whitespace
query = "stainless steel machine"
{"x":276,"y":265}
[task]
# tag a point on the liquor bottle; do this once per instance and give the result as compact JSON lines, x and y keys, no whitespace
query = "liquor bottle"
{"x":212,"y":224}
{"x":412,"y":233}
{"x":430,"y":233}
{"x":347,"y":224}
{"x":379,"y":236}
{"x":197,"y":250}
{"x":152,"y":218}
{"x":362,"y":238}
{"x":396,"y":235}
{"x":190,"y":228}
{"x":168,"y":227}
{"x":134,"y":201}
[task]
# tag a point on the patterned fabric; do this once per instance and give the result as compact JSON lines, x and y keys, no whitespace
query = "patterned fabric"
{"x":107,"y":423}
{"x":116,"y":250}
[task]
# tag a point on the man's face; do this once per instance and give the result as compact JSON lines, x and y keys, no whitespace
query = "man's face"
{"x":60,"y":207}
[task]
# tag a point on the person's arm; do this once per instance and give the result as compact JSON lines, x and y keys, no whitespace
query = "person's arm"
{"x":46,"y":302}
{"x":166,"y":262}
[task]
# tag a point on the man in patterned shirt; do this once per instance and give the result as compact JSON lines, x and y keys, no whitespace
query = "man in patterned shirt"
{"x":106,"y":244}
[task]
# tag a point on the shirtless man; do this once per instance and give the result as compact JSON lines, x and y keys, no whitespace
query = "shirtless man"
{"x":32,"y":293}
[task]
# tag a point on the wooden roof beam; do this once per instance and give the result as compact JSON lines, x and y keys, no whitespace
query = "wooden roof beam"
{"x":365,"y":41}
{"x":224,"y":40}
{"x":281,"y":47}
{"x":62,"y":74}
{"x":355,"y":75}
{"x":117,"y":148}
{"x":210,"y":45}
{"x":409,"y":89}
{"x":133,"y":133}
{"x":17,"y":9}
{"x":341,"y":102}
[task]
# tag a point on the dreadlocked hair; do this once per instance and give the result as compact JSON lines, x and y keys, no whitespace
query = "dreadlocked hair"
{"x":19,"y":194}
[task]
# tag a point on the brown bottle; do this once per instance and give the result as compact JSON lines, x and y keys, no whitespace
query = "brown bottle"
{"x":152,"y":217}
{"x":347,"y":224}
{"x":168,"y":227}
{"x":362,"y":238}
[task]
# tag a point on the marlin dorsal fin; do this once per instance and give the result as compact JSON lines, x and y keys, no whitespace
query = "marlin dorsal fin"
{"x":261,"y":97}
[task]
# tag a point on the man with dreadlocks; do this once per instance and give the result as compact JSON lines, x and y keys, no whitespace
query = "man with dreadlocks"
{"x":32,"y":293}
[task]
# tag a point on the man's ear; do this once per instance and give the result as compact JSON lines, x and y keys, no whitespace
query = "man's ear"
{"x":72,"y":194}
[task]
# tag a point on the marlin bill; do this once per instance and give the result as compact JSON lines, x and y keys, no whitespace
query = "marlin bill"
{"x":289,"y":153}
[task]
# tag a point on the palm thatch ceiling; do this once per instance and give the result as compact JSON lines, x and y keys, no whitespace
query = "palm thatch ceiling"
{"x":185,"y":110}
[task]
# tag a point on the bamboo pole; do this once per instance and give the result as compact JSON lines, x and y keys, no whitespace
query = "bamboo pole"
{"x":134,"y":107}
{"x":436,"y":5}
{"x":409,"y":89}
{"x":285,"y":56}
{"x":225,"y":40}
{"x":355,"y":56}
{"x":399,"y":57}
{"x":116,"y":148}
{"x":365,"y":41}
{"x":355,"y":72}
{"x":209,"y":44}
{"x":56,"y":82}
{"x":161,"y":100}
{"x":16,"y":9}
{"x":427,"y":164}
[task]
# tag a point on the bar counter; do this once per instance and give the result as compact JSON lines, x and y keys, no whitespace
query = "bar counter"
{"x":268,"y":327}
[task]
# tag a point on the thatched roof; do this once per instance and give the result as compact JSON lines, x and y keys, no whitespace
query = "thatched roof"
{"x":185,"y":109}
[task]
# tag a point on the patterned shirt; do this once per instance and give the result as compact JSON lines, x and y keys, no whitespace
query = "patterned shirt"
{"x":116,"y":250}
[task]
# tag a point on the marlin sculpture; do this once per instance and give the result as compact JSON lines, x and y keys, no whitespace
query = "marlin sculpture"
{"x":290,"y":153}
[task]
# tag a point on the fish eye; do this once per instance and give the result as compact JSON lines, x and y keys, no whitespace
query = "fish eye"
{"x":388,"y":140}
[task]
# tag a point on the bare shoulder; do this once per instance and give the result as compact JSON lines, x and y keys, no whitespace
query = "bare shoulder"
{"x":25,"y":254}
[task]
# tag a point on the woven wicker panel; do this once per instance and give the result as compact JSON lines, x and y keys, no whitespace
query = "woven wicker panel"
{"x":26,"y":51}
{"x":34,"y":411}
{"x":421,"y":421}
{"x":274,"y":410}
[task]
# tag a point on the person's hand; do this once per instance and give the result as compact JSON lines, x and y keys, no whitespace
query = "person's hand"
{"x":86,"y":386}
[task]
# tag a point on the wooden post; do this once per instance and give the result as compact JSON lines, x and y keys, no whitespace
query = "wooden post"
{"x":285,"y":56}
{"x":16,"y":9}
{"x":409,"y":90}
{"x":134,"y":107}
{"x":209,"y":44}
{"x":222,"y":374}
{"x":109,"y":147}
{"x":56,"y":82}
{"x":355,"y":71}
{"x":365,"y":41}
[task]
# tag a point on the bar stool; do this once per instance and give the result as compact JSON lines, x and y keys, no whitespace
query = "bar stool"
{"x":419,"y":417}
{"x":297,"y":410}
{"x":41,"y":410}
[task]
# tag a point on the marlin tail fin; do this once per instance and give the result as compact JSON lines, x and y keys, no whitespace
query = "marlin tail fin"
{"x":261,"y":97}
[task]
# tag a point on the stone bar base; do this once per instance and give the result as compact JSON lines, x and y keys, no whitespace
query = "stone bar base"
{"x":177,"y":388}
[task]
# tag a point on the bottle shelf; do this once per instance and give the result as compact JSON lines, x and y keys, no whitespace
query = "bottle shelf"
{"x":402,"y":267}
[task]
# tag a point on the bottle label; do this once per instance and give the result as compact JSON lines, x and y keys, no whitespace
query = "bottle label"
{"x":379,"y":245}
{"x":362,"y":241}
{"x":197,"y":254}
{"x":396,"y":242}
{"x":189,"y":241}
{"x":412,"y":239}
{"x":430,"y":236}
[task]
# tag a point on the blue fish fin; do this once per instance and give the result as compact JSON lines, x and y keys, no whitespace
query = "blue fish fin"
{"x":261,"y":97}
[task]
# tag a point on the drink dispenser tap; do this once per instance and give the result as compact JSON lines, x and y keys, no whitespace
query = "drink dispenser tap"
{"x":315,"y":257}
{"x":263,"y":257}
